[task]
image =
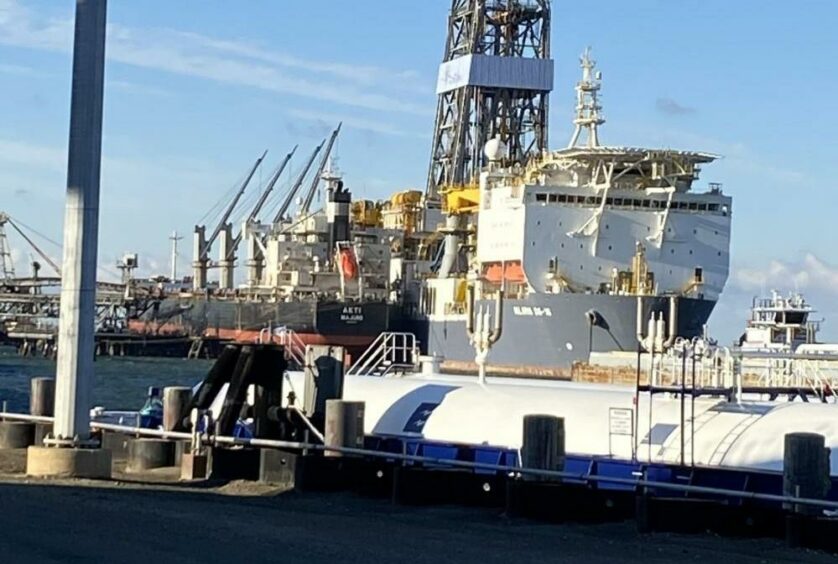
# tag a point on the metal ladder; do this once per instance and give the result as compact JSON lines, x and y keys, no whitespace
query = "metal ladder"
{"x":390,"y":352}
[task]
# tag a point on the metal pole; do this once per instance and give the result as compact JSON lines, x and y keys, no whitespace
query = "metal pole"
{"x":74,"y":372}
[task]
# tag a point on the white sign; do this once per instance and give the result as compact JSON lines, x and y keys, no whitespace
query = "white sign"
{"x":621,"y":421}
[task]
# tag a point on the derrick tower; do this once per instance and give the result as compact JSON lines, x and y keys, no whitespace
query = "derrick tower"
{"x":494,"y":80}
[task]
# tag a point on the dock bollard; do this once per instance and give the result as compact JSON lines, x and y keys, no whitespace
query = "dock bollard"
{"x":805,"y":474}
{"x":176,"y":401}
{"x":42,"y":396}
{"x":543,"y":445}
{"x":344,"y":425}
{"x":42,"y":402}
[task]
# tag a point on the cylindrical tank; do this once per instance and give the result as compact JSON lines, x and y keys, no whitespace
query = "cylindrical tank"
{"x":599,"y":419}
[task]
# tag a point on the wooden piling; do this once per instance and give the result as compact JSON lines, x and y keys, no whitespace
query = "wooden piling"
{"x":176,"y":401}
{"x":344,"y":425}
{"x":543,"y":446}
{"x":42,"y":396}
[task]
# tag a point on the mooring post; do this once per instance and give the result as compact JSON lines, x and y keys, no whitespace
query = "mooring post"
{"x":176,"y":400}
{"x":75,"y":369}
{"x":543,"y":446}
{"x":42,"y":402}
{"x":42,"y":396}
{"x":344,"y":425}
{"x":805,"y":474}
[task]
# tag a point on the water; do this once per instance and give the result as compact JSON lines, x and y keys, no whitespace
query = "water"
{"x":121,"y":383}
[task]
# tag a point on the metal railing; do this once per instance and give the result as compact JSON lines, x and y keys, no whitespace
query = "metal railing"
{"x":583,"y":477}
{"x":295,"y":348}
{"x":389,"y":352}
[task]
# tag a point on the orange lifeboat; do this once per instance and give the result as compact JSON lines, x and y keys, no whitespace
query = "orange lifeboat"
{"x":348,"y":264}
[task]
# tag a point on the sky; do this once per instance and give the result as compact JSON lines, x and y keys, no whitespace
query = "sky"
{"x":196,"y":90}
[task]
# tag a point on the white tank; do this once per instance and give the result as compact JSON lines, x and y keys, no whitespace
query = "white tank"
{"x":598,"y":418}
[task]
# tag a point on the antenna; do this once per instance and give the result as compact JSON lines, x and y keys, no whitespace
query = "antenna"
{"x":587,"y":103}
{"x":174,"y":238}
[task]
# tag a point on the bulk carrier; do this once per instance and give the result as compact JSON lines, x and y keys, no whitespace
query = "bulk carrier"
{"x":314,"y":276}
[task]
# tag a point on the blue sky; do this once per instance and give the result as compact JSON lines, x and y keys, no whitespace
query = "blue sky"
{"x":196,"y":90}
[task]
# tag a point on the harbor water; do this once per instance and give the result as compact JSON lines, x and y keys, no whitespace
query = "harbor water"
{"x":121,"y":382}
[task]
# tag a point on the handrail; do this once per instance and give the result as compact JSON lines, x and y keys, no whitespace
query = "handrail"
{"x":389,"y":348}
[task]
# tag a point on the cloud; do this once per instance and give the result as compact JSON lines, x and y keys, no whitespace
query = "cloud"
{"x":138,"y":88}
{"x":221,"y":60}
{"x":21,"y":70}
{"x":807,"y":274}
{"x":671,"y":107}
{"x":328,"y":120}
{"x":30,"y":154}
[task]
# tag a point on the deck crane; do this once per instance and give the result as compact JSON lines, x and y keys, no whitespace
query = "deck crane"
{"x":202,"y":247}
{"x":316,"y":180}
{"x":289,"y":198}
{"x":5,"y":218}
{"x":261,"y":202}
{"x":231,"y":207}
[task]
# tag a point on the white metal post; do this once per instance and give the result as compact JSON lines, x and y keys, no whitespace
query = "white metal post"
{"x":74,"y":374}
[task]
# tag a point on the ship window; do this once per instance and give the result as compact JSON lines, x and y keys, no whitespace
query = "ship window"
{"x":609,"y":247}
{"x":691,"y":251}
{"x":590,"y":200}
{"x":719,"y":253}
{"x":693,"y":206}
{"x":553,"y":198}
{"x":702,"y":207}
{"x":635,"y":203}
{"x":563,"y":245}
{"x":672,"y":251}
{"x":562,"y":198}
{"x":541,"y":197}
{"x":713,"y":207}
{"x":618,"y":201}
{"x":598,"y":200}
{"x":682,"y":205}
{"x":656,"y":204}
{"x":609,"y":201}
{"x":646,"y":203}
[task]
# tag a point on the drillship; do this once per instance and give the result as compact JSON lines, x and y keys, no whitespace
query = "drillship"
{"x":596,"y":248}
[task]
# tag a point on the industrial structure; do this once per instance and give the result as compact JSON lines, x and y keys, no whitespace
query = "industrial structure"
{"x":494,"y":81}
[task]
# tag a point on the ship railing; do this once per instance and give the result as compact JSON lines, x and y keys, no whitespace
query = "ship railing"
{"x":390,"y":352}
{"x":295,"y":348}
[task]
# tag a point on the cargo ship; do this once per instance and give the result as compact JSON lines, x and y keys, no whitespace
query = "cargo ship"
{"x":315,"y":276}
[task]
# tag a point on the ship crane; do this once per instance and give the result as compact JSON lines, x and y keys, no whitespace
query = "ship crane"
{"x":254,"y":214}
{"x":4,"y":219}
{"x":289,"y":199}
{"x":312,"y":190}
{"x":202,"y":247}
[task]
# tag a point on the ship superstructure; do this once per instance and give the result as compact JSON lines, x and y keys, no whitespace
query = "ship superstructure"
{"x":780,"y":324}
{"x":587,"y":242}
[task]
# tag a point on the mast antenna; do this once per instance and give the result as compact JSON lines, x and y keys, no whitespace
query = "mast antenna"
{"x":587,"y":103}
